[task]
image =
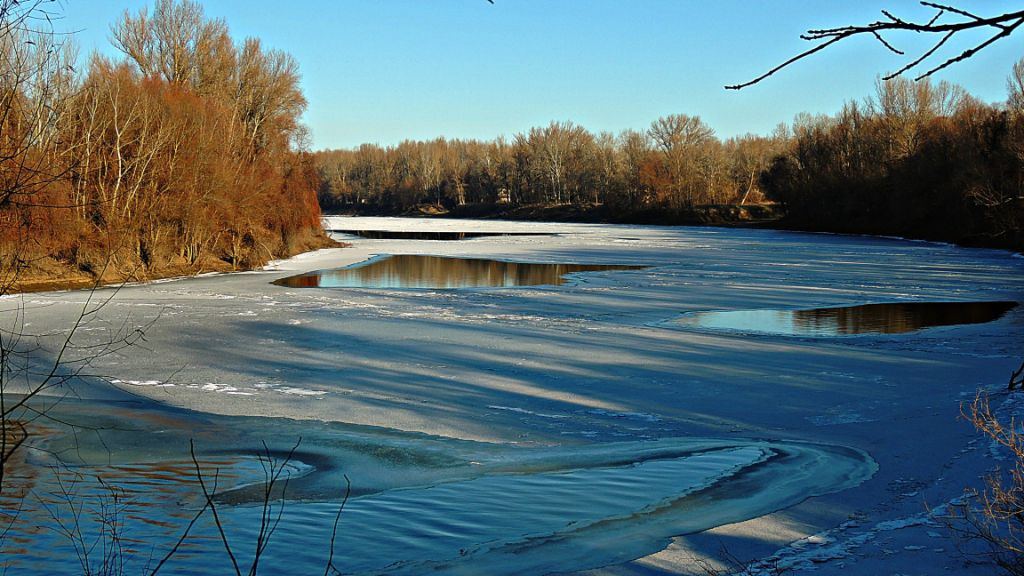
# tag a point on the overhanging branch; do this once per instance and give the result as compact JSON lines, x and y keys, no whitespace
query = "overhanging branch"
{"x":1005,"y":24}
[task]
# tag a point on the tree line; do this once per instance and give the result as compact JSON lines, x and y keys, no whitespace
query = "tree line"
{"x":921,"y":159}
{"x":918,"y":158}
{"x":677,"y":163}
{"x":178,"y":157}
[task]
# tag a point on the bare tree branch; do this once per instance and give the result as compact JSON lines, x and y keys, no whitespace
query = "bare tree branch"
{"x":334,"y":532}
{"x":972,"y":51}
{"x":796,"y":58}
{"x":1005,"y":24}
{"x":208,"y":494}
{"x":921,"y":59}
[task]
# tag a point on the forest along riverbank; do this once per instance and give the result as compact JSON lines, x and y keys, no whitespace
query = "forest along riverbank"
{"x":760,"y":214}
{"x":479,"y":382}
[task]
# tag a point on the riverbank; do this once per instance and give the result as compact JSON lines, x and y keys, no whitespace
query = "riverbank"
{"x":46,"y":273}
{"x":725,"y":215}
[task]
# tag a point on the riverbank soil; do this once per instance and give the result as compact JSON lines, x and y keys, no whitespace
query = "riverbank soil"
{"x":46,"y":272}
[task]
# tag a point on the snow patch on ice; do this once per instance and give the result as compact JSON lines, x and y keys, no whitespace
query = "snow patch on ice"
{"x":291,"y":390}
{"x":220,"y":389}
{"x":204,"y":387}
{"x":843,"y":541}
{"x":837,"y":419}
{"x":155,"y":383}
{"x":628,"y":415}
{"x":275,"y":265}
{"x":526,"y":412}
{"x":301,"y":391}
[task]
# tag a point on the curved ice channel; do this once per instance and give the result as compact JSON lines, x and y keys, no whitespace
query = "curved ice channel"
{"x":537,"y":522}
{"x":420,"y":504}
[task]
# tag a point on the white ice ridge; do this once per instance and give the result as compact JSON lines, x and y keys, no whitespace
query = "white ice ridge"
{"x":224,"y":388}
{"x":847,"y":540}
{"x":156,"y":383}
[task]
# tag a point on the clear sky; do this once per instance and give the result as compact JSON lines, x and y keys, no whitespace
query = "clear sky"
{"x":382,"y":71}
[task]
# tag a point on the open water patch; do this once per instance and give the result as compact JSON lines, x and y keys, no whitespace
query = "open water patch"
{"x":883,"y":318}
{"x":442,"y":272}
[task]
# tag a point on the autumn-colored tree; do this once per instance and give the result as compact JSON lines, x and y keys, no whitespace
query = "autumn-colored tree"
{"x":179,"y":158}
{"x":239,"y":157}
{"x":35,"y":83}
{"x":635,"y":151}
{"x":689,"y":157}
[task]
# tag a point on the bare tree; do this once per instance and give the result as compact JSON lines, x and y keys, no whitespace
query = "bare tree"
{"x":907,"y":108}
{"x":687,"y":145}
{"x":178,"y":44}
{"x":945,"y":23}
{"x":35,"y":87}
{"x":1015,"y":88}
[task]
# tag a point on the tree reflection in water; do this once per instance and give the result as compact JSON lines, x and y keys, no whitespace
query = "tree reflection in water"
{"x":885,"y":318}
{"x":416,"y":271}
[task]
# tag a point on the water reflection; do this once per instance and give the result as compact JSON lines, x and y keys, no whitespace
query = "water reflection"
{"x":416,"y":271}
{"x":50,"y":516}
{"x":888,"y":318}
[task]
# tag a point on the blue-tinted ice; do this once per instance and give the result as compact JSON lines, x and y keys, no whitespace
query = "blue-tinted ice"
{"x":419,"y":503}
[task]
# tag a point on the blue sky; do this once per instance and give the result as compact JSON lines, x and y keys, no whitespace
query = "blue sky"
{"x":382,"y":71}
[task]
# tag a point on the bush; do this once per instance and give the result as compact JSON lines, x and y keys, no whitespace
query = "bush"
{"x":995,"y":514}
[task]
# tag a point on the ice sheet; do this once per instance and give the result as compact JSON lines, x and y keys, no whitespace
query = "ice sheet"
{"x":591,"y":363}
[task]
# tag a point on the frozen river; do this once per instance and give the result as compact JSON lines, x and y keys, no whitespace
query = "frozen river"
{"x":550,"y":427}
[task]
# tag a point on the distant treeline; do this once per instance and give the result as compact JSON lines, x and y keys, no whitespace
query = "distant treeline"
{"x":678,"y":163}
{"x":921,"y":160}
{"x":918,"y":159}
{"x":178,"y":158}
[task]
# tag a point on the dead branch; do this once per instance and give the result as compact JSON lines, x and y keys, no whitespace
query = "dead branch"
{"x":208,"y":494}
{"x":181,"y":540}
{"x":1017,"y":378}
{"x":95,"y":532}
{"x":334,"y":531}
{"x":1003,"y":24}
{"x":272,"y":470}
